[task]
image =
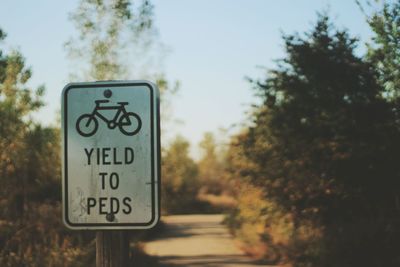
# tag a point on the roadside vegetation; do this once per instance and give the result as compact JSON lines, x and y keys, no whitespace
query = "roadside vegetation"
{"x":316,"y":172}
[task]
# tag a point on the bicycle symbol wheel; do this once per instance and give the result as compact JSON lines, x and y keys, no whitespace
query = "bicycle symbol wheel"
{"x":130,"y":123}
{"x":87,"y":125}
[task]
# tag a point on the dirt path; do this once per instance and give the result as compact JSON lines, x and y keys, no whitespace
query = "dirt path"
{"x":197,"y":240}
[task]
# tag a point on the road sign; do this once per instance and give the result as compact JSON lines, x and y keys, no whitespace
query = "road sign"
{"x":111,"y":155}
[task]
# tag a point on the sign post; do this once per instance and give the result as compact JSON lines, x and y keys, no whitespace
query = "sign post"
{"x":111,"y":158}
{"x":112,"y":249}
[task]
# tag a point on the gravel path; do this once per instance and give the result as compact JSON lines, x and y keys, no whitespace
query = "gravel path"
{"x":197,"y":240}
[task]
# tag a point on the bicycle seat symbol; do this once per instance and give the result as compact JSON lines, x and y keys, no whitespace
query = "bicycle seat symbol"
{"x":129,"y":123}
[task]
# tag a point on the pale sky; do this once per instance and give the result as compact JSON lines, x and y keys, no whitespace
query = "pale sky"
{"x":214,"y":45}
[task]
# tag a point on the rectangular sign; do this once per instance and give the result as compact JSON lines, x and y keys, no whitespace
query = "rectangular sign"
{"x":111,"y":155}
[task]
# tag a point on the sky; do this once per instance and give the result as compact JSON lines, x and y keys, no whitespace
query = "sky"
{"x":213,"y":46}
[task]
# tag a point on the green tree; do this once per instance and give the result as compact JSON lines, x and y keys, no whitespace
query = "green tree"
{"x":384,"y":51}
{"x":322,"y":107}
{"x":117,"y":39}
{"x":31,"y":233}
{"x":107,"y":31}
{"x":323,"y":148}
{"x":179,"y":178}
{"x":211,"y":169}
{"x":17,"y":102}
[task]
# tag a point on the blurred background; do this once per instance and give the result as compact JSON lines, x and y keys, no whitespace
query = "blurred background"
{"x":280,"y":117}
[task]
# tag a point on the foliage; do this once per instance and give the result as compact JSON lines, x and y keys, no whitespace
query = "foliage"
{"x":215,"y":189}
{"x":118,"y":40}
{"x":323,"y":149}
{"x":189,"y":186}
{"x":16,"y":102}
{"x":31,"y":232}
{"x":179,"y":178}
{"x":384,"y":52}
{"x":211,"y":166}
{"x":107,"y":30}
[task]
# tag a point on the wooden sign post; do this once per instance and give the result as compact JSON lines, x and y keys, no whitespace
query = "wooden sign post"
{"x":112,"y":249}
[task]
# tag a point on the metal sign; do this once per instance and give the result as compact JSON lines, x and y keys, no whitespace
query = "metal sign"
{"x":111,"y":155}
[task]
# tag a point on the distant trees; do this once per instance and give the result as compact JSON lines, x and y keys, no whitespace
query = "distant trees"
{"x":108,"y":32}
{"x":179,"y":178}
{"x":211,"y":166}
{"x":190,"y":186}
{"x":117,"y":40}
{"x":323,"y":149}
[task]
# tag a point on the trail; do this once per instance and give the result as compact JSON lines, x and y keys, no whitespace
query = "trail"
{"x":197,"y":240}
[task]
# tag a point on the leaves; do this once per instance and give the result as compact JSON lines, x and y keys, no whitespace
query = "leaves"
{"x":31,"y":232}
{"x":106,"y":31}
{"x":179,"y":177}
{"x":322,"y":145}
{"x":385,"y":50}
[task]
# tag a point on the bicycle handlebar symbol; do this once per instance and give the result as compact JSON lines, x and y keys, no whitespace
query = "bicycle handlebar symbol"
{"x":129,"y":123}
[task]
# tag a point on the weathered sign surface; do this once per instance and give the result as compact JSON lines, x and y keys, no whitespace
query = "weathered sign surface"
{"x":111,"y":155}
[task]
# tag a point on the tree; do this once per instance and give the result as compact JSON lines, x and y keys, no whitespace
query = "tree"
{"x":118,"y":40}
{"x":31,"y":233}
{"x":179,"y":178}
{"x":17,"y":102}
{"x":317,"y":105}
{"x":384,"y":51}
{"x":323,"y":146}
{"x":211,"y":169}
{"x":108,"y":30}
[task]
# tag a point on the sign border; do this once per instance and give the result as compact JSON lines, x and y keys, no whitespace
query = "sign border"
{"x":155,"y":155}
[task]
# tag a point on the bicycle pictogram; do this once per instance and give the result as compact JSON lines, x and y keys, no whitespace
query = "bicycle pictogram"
{"x":129,"y":123}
